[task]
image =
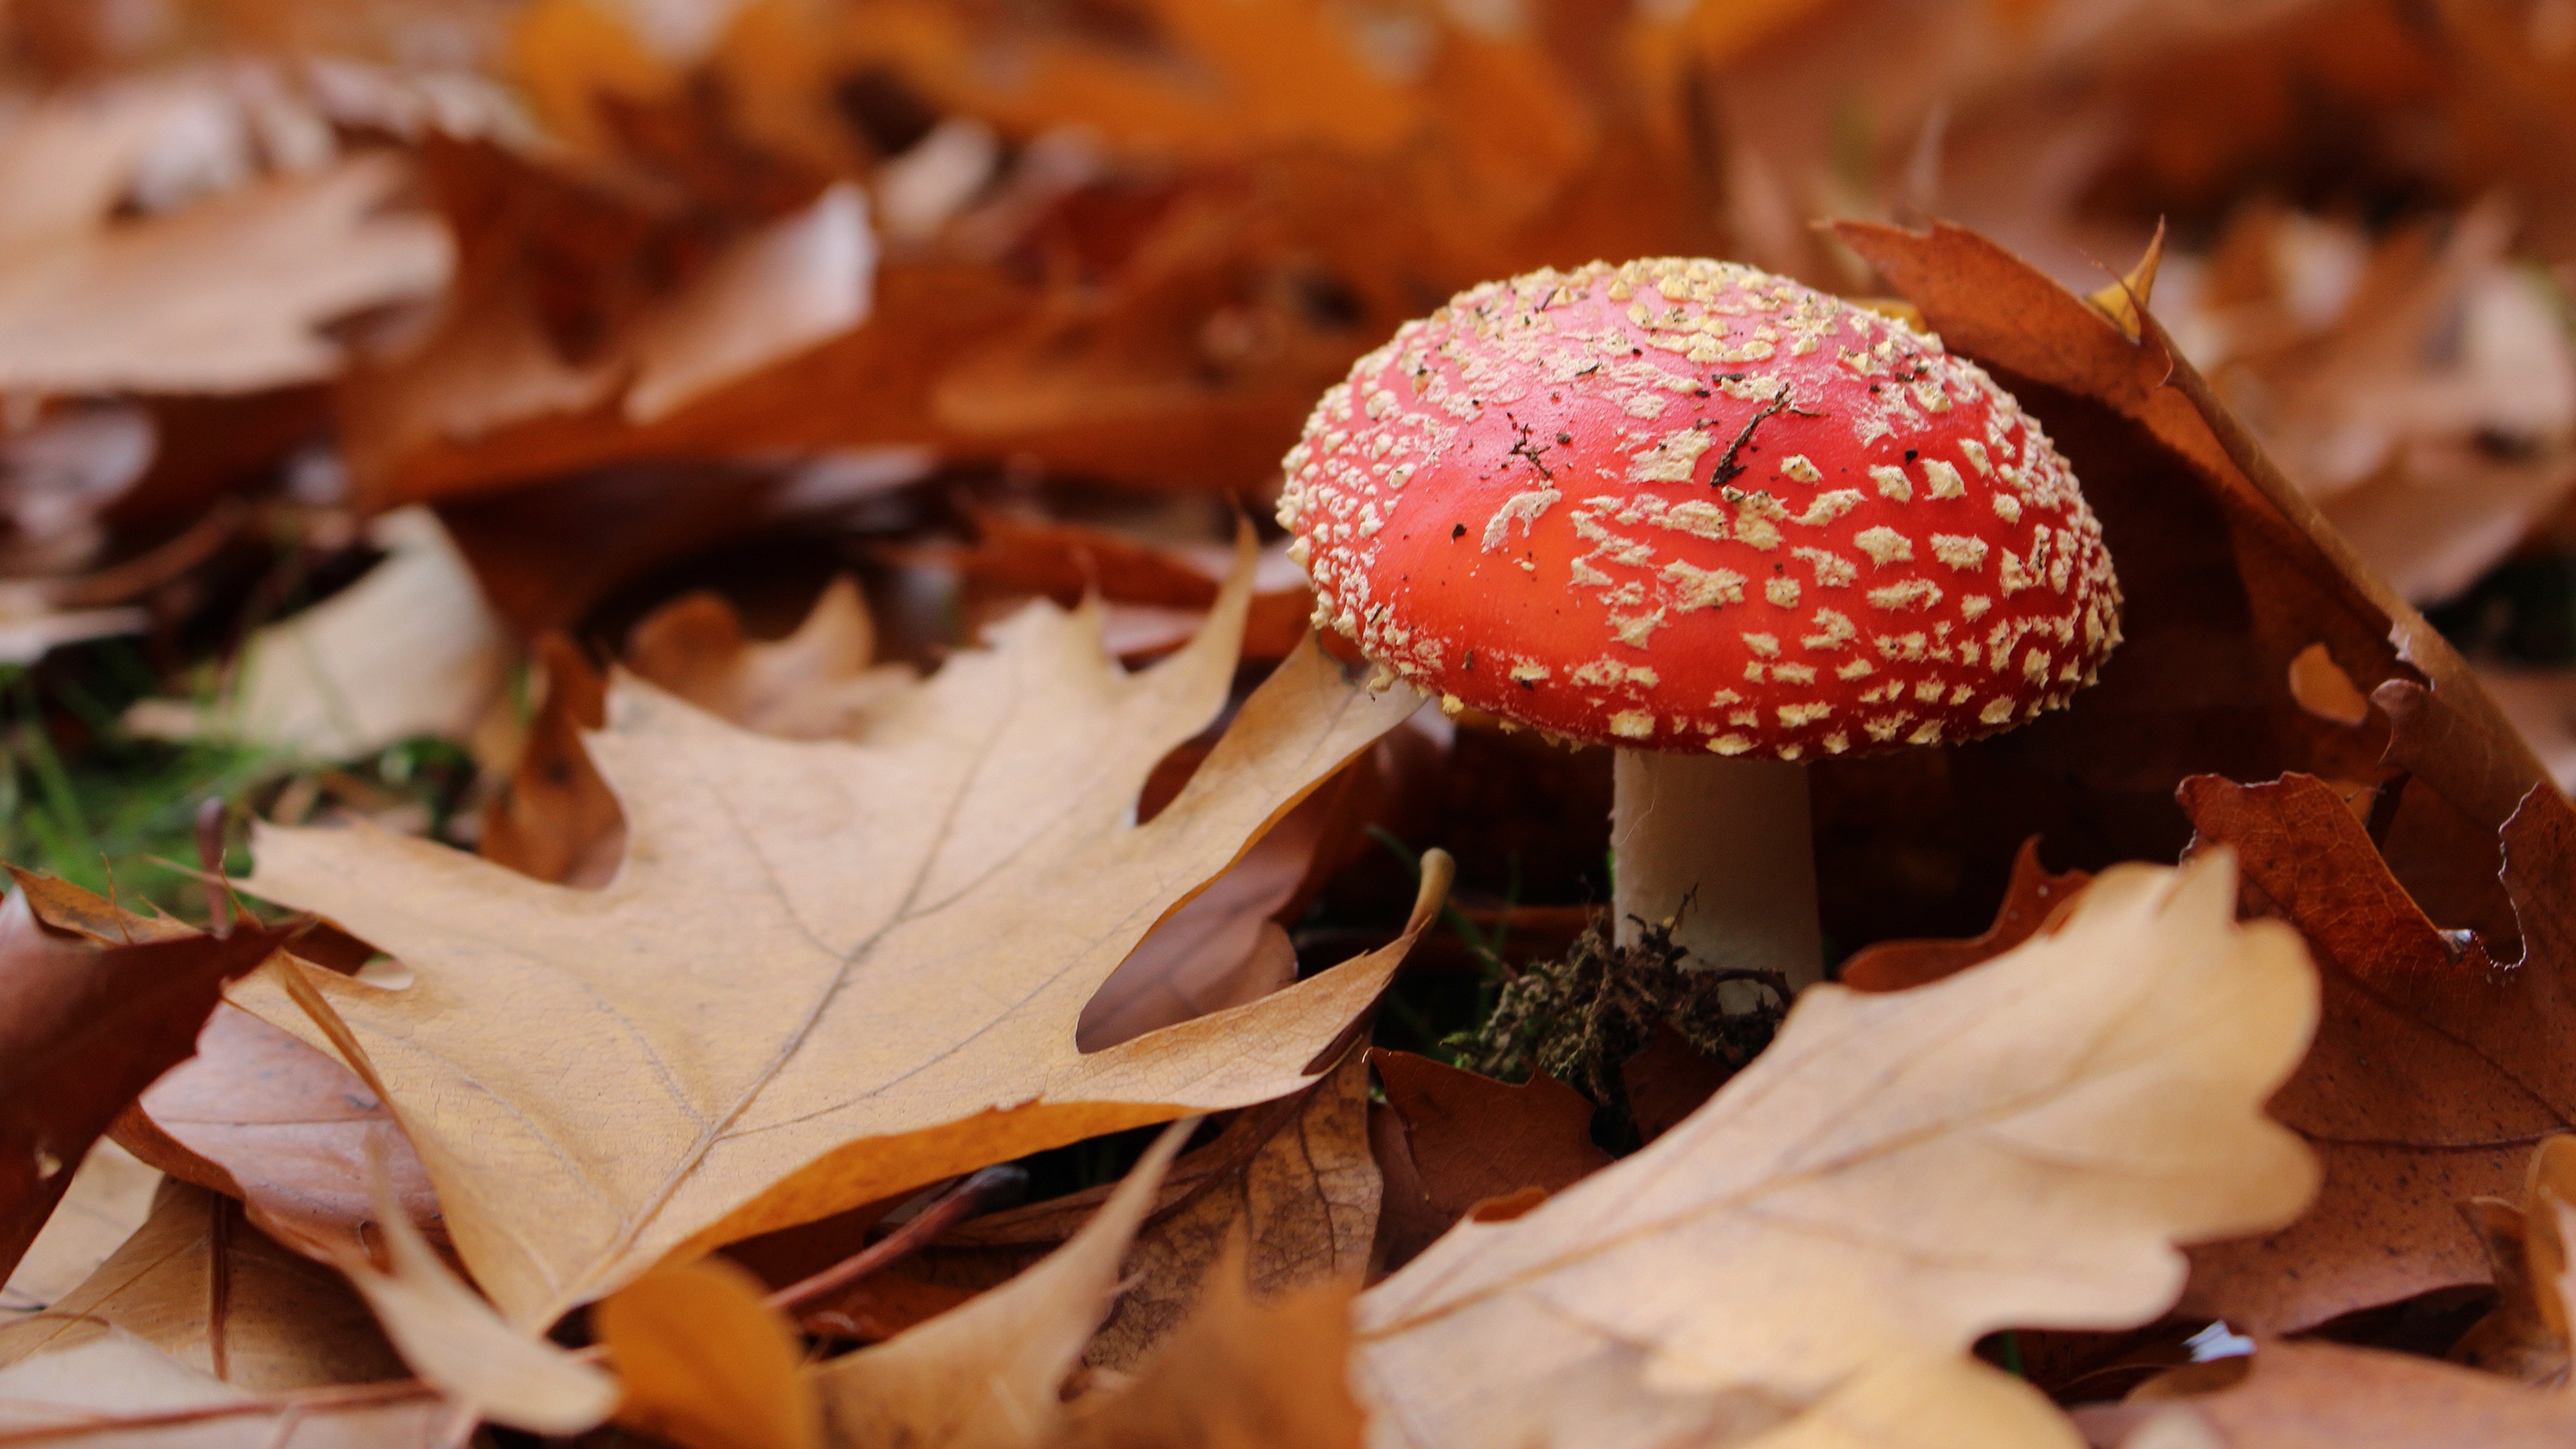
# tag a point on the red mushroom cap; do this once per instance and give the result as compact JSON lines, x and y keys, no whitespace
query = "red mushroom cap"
{"x":1685,"y":505}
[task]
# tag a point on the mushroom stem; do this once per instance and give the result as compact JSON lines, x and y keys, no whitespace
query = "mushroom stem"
{"x":1731,"y":837}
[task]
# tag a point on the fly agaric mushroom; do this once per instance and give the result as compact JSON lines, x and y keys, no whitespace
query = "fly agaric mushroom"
{"x":1719,"y":521}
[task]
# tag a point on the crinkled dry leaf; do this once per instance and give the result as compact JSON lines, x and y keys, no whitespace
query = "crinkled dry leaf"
{"x":2525,"y":1335}
{"x":988,"y":1375}
{"x":2432,"y":1072}
{"x":430,"y":428}
{"x":702,"y":1050}
{"x":1239,"y":1373}
{"x":1813,"y":1251}
{"x":2542,"y":705}
{"x":2424,"y":395}
{"x":202,"y":1285}
{"x":1295,"y":1175}
{"x":2230,"y":576}
{"x":815,"y":684}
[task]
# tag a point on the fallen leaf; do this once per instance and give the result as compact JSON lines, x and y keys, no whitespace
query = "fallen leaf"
{"x":410,"y":649}
{"x":556,"y":821}
{"x":202,"y":1285}
{"x":1295,"y":1175}
{"x":705,"y":1362}
{"x":2542,"y":705}
{"x":429,"y":427}
{"x":799,"y":281}
{"x":255,"y":1114}
{"x":1239,"y":1373}
{"x":1812,"y":1252}
{"x":2029,"y":901}
{"x":110,"y":1196}
{"x":634,"y":520}
{"x":2524,"y":1337}
{"x":1668,"y":1079}
{"x":258,"y":1115}
{"x":2423,"y":394}
{"x":2328,"y":1396}
{"x":458,"y":1345}
{"x":2433,"y":1072}
{"x":1017,"y":555}
{"x":118,"y":1392}
{"x":82,"y":1030}
{"x":981,"y":819}
{"x":225,"y":296}
{"x":817,"y":683}
{"x":988,"y":1375}
{"x":1224,"y":947}
{"x":2230,"y":575}
{"x":1456,"y":1139}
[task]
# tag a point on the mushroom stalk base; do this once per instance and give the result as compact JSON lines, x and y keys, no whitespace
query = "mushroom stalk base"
{"x":1730,"y":837}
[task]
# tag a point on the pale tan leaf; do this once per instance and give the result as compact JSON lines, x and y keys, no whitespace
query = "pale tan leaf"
{"x":202,"y":1285}
{"x":455,"y":1342}
{"x":706,"y":1362}
{"x":222,"y":297}
{"x":2022,"y":1143}
{"x":110,"y":1196}
{"x":815,"y":684}
{"x":410,"y":649}
{"x":118,"y":1392}
{"x":986,"y":1375}
{"x":826,"y":972}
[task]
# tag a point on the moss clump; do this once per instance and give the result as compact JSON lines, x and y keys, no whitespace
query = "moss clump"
{"x":1582,"y":1018}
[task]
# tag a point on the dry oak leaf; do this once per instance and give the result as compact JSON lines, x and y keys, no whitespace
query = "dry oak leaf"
{"x":255,"y":1114}
{"x":1294,"y":1175}
{"x":454,"y":1340}
{"x":258,"y":1115}
{"x":2326,"y":1396}
{"x":1239,"y":1373}
{"x":2433,"y":1073}
{"x":2525,"y":1335}
{"x":2232,"y":574}
{"x":2030,"y":899}
{"x":711,"y":1365}
{"x":817,"y":683}
{"x":1806,"y":1259}
{"x":84,"y":1028}
{"x":223,"y":297}
{"x":205,"y":1287}
{"x":1449,"y":1139}
{"x":989,"y":1374}
{"x":826,"y":972}
{"x":118,"y":1392}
